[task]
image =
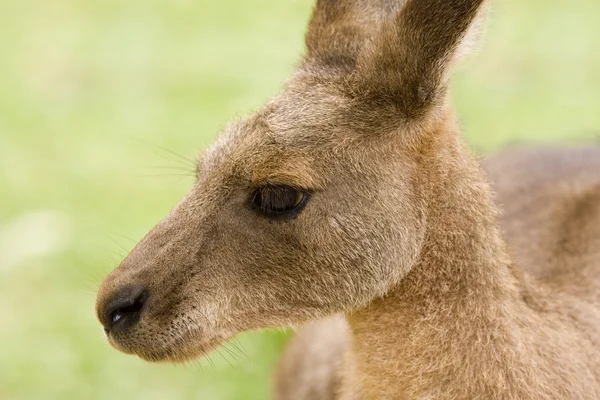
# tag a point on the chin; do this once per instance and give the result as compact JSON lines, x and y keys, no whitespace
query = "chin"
{"x":182,"y":350}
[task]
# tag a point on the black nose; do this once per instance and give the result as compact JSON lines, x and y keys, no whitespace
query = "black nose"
{"x":124,"y":309}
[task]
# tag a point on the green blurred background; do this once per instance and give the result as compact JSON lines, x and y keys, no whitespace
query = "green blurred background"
{"x":98,"y":98}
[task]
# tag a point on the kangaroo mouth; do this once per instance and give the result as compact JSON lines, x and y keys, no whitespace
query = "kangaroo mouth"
{"x":141,"y":321}
{"x":159,"y":347}
{"x":180,"y":352}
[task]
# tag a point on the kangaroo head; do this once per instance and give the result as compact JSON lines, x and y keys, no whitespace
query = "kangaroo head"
{"x":315,"y":205}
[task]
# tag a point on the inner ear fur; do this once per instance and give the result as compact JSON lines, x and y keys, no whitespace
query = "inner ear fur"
{"x":340,"y":29}
{"x":408,"y":62}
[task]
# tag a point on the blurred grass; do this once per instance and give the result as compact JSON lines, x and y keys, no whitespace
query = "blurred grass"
{"x":94,"y":95}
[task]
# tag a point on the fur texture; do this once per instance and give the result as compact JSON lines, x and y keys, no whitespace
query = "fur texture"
{"x":400,"y":234}
{"x":551,"y":220}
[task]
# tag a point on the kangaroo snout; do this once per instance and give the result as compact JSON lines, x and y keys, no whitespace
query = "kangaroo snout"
{"x":162,"y":302}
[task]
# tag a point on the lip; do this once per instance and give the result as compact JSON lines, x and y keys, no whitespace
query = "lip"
{"x":175,"y":353}
{"x":181,"y":350}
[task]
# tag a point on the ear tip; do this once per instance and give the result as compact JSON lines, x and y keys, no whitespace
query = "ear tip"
{"x":410,"y":60}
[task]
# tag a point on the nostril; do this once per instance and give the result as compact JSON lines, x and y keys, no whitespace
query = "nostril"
{"x":125,"y":309}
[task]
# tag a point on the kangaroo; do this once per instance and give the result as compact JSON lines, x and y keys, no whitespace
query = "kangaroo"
{"x":351,"y":193}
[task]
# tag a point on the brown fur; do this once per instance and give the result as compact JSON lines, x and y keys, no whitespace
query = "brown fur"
{"x":313,"y":363}
{"x":400,"y":234}
{"x":550,"y":201}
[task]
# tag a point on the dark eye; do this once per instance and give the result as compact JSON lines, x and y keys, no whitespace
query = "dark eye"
{"x":279,"y":202}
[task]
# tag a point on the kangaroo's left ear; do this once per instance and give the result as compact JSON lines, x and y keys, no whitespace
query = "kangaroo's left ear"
{"x":409,"y":61}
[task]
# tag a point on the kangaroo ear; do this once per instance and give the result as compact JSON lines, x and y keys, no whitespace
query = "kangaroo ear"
{"x":408,"y":63}
{"x":340,"y":29}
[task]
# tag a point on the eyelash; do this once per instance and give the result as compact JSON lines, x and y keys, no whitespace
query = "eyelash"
{"x":279,"y":202}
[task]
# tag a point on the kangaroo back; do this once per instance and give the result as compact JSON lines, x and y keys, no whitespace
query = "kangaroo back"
{"x":550,"y":201}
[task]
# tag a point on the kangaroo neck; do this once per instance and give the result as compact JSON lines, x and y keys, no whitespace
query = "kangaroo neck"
{"x":449,"y":315}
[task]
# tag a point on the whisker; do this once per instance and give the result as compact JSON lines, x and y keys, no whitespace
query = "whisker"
{"x":176,"y":161}
{"x":172,"y":167}
{"x":180,"y":180}
{"x":210,"y":362}
{"x":174,"y":153}
{"x":238,"y":345}
{"x":113,"y":253}
{"x":224,"y":358}
{"x":90,"y":293}
{"x":198,"y":365}
{"x":185,"y":175}
{"x":230,"y":352}
{"x":236,"y":349}
{"x":114,"y":241}
{"x":93,"y":286}
{"x":123,"y":236}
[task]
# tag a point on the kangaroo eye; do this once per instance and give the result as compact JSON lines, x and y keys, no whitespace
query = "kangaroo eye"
{"x":279,"y":202}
